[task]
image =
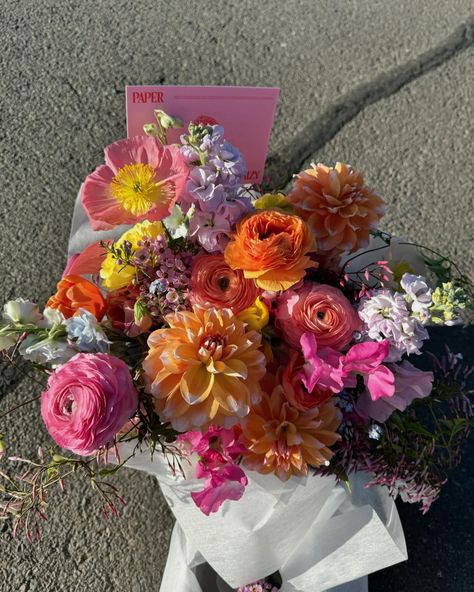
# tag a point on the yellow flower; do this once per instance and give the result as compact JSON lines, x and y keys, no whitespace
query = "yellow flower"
{"x":116,"y":276}
{"x":256,"y":316}
{"x":137,"y":189}
{"x":205,"y":367}
{"x":269,"y":201}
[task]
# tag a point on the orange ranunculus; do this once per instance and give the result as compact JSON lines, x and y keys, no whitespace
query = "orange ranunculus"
{"x":271,"y":247}
{"x":214,"y":283}
{"x":339,"y":208}
{"x":75,"y":292}
{"x":205,"y":367}
{"x":284,"y":440}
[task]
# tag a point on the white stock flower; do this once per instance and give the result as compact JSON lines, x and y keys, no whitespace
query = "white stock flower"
{"x":386,"y":316}
{"x":418,"y":294}
{"x":87,"y":334}
{"x":177,"y":223}
{"x":51,"y":317}
{"x":22,"y":312}
{"x":46,"y":351}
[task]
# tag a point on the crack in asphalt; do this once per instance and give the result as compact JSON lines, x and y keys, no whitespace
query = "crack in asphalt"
{"x":323,"y":128}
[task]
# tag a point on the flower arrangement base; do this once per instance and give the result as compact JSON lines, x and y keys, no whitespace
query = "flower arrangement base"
{"x":316,"y":533}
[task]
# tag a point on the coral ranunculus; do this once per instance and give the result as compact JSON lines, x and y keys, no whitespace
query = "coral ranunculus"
{"x":204,"y":368}
{"x":87,"y":402}
{"x":271,"y":247}
{"x":284,"y":440}
{"x":214,"y":283}
{"x":339,"y":208}
{"x":75,"y":292}
{"x":141,"y":179}
{"x":319,"y":309}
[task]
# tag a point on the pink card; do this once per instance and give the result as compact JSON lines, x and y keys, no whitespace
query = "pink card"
{"x":246,"y":113}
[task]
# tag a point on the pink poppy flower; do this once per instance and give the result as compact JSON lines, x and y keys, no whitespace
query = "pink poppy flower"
{"x":141,"y":179}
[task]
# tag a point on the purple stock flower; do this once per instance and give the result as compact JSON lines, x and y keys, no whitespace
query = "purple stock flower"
{"x":386,"y":316}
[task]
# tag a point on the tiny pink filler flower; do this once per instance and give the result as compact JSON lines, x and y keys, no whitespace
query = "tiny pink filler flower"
{"x":87,"y":402}
{"x":141,"y":179}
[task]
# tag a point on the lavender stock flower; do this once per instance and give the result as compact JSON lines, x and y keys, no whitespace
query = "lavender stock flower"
{"x":386,"y":316}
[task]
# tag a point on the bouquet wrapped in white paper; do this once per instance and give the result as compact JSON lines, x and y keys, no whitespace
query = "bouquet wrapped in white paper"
{"x":261,"y":343}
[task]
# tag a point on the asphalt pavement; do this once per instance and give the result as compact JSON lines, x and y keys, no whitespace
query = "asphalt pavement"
{"x":387,"y":86}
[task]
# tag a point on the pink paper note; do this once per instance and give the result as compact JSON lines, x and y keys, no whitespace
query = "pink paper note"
{"x":246,"y":113}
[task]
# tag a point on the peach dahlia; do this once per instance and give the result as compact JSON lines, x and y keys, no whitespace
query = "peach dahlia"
{"x":284,"y":440}
{"x":205,"y":367}
{"x":340,"y":209}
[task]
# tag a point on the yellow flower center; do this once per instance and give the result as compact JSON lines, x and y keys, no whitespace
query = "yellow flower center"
{"x":135,"y":187}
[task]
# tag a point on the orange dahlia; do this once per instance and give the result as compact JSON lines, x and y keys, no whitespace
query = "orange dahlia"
{"x":284,"y":440}
{"x":271,"y":247}
{"x":337,"y":205}
{"x":205,"y":367}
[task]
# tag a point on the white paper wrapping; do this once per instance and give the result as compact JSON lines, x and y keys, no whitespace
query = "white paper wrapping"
{"x":318,"y":535}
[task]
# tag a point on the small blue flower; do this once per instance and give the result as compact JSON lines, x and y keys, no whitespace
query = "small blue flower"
{"x":375,"y":432}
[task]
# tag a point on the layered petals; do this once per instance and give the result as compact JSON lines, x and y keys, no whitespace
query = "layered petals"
{"x":214,"y":283}
{"x":271,"y":247}
{"x":204,"y":368}
{"x":74,"y":293}
{"x":319,"y":309}
{"x":340,"y":209}
{"x":284,"y":440}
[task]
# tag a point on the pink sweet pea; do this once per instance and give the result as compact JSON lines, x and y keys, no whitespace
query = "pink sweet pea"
{"x":218,"y":450}
{"x":410,"y":384}
{"x":332,"y":370}
{"x":323,"y":368}
{"x":366,"y":359}
{"x":141,"y":179}
{"x":226,"y":482}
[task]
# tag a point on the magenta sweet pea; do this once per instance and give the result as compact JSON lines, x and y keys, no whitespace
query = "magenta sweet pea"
{"x":218,"y":449}
{"x":336,"y":371}
{"x":88,"y":400}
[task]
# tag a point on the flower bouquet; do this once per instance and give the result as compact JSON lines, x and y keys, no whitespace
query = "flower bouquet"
{"x":254,"y":350}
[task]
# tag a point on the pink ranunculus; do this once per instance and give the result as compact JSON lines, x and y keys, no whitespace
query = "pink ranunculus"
{"x":410,"y":384}
{"x":87,"y":402}
{"x":319,"y":309}
{"x":141,"y":179}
